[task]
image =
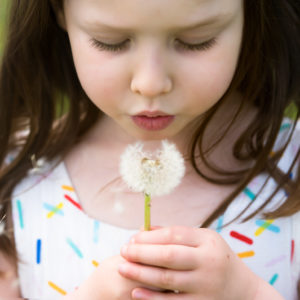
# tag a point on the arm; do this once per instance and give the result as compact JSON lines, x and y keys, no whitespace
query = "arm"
{"x":8,"y":279}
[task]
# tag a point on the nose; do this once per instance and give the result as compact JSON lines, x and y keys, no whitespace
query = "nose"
{"x":150,"y":77}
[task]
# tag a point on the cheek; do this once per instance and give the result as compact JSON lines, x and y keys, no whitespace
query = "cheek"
{"x":211,"y":75}
{"x":207,"y":84}
{"x":97,"y":73}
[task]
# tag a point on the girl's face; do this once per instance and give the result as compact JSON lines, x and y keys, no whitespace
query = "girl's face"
{"x":154,"y":66}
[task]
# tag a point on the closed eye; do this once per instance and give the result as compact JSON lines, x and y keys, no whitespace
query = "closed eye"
{"x":109,"y":47}
{"x":179,"y":45}
{"x":196,"y":47}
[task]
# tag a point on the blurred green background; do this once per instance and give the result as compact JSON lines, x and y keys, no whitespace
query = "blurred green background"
{"x":3,"y":10}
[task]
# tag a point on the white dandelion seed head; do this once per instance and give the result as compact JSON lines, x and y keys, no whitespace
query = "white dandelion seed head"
{"x":155,"y":173}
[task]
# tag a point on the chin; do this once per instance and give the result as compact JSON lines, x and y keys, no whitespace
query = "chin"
{"x":151,"y":135}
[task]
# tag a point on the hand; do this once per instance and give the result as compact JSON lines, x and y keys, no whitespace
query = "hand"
{"x":105,"y":283}
{"x":196,"y":262}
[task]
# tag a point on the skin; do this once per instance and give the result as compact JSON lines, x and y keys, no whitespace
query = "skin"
{"x":196,"y":263}
{"x":8,"y":278}
{"x":154,"y":72}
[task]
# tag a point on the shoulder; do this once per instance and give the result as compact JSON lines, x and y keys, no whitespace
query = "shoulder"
{"x":39,"y":188}
{"x":44,"y":174}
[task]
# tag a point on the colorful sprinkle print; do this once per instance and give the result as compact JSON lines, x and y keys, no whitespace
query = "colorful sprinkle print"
{"x":249,"y":193}
{"x":285,"y":126}
{"x":67,"y":188}
{"x":263,"y":227}
{"x":73,"y":202}
{"x":267,"y":225}
{"x":275,"y":260}
{"x":246,"y":254}
{"x":95,"y":263}
{"x":50,"y":207}
{"x":292,"y":250}
{"x":241,"y":237}
{"x":38,"y":251}
{"x":75,"y":248}
{"x":220,"y":223}
{"x":56,"y":288}
{"x":60,"y":245}
{"x":21,"y":222}
{"x":273,"y":279}
{"x":56,"y":209}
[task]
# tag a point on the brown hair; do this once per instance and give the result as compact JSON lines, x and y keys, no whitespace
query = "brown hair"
{"x":37,"y":75}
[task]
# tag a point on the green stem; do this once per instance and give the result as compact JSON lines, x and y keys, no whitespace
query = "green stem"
{"x":147,"y":220}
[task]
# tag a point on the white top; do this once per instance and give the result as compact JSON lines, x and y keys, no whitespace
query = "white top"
{"x":59,"y":245}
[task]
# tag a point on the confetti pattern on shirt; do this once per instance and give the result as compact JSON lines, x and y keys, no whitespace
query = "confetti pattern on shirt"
{"x":241,"y":237}
{"x":38,"y":251}
{"x":61,"y":251}
{"x":275,"y":260}
{"x":292,"y":250}
{"x":76,"y":204}
{"x":74,"y":247}
{"x":55,"y":210}
{"x":20,"y":213}
{"x":220,"y":223}
{"x":273,"y":279}
{"x":265,"y":225}
{"x":57,"y":288}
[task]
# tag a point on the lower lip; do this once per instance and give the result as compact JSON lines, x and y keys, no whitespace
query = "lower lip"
{"x":153,"y":123}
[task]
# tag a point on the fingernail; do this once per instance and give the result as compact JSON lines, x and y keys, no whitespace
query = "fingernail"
{"x":137,"y":295}
{"x":123,"y":268}
{"x":124,"y":250}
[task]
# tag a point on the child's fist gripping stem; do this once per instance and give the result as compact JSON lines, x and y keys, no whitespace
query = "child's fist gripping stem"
{"x":191,"y":263}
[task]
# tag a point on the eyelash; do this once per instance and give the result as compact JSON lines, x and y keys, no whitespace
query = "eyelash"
{"x":182,"y":45}
{"x":109,"y":47}
{"x":197,"y":47}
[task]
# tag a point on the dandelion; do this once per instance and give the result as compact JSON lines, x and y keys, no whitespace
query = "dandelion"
{"x":154,"y":174}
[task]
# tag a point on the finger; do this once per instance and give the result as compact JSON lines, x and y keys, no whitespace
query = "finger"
{"x":142,"y":228}
{"x":179,"y":235}
{"x":139,"y":293}
{"x":158,"y":277}
{"x":176,"y":257}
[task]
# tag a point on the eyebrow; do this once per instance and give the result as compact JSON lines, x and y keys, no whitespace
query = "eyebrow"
{"x":218,"y":20}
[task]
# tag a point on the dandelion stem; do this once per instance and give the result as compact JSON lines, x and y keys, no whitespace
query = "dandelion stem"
{"x":147,"y":220}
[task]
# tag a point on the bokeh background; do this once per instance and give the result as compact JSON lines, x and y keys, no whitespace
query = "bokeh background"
{"x":3,"y":12}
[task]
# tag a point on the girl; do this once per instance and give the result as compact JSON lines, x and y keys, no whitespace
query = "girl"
{"x":82,"y":79}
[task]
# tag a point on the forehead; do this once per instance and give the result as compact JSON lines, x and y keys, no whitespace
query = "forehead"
{"x":161,"y":13}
